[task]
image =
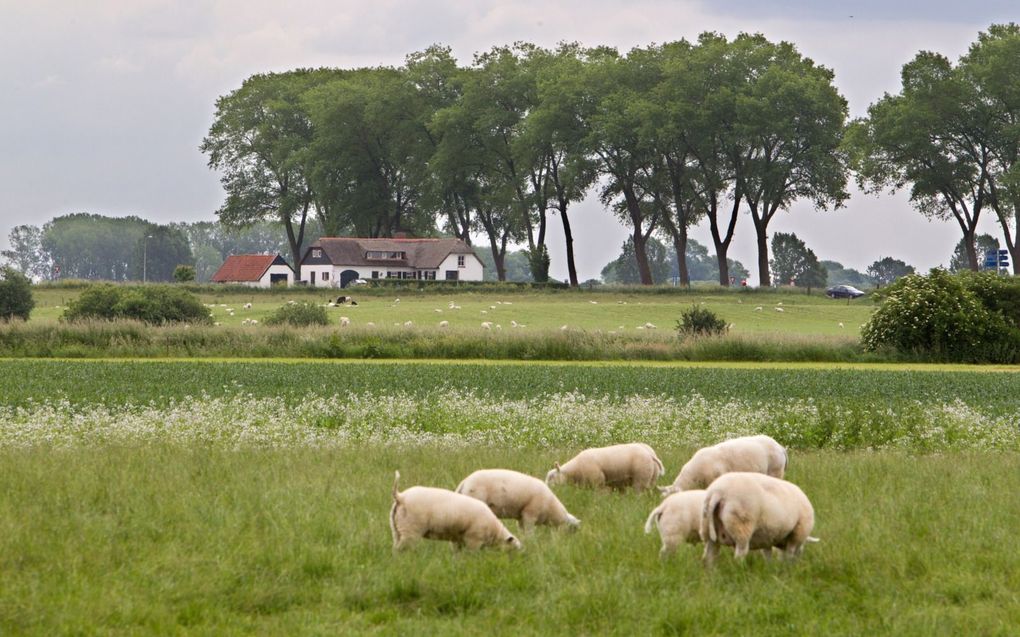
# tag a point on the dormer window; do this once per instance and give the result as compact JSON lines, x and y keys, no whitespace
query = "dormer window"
{"x":384,"y":254}
{"x":316,"y":253}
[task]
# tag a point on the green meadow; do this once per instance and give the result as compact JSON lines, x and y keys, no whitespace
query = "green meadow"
{"x":606,"y":310}
{"x":240,"y":493}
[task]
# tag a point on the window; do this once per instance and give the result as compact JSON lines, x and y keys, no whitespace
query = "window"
{"x":460,"y":261}
{"x":316,"y":254}
{"x":382,"y":254}
{"x":429,"y":275}
{"x":375,"y":274}
{"x":325,"y":276}
{"x":451,"y":275}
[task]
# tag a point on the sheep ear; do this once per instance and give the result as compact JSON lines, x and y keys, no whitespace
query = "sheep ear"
{"x":510,"y":540}
{"x":557,"y":465}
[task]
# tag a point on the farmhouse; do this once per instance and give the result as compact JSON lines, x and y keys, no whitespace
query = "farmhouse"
{"x":255,"y":270}
{"x":337,"y":261}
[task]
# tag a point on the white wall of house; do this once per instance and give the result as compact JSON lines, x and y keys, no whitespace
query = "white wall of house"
{"x":264,"y":282}
{"x":472,"y":269}
{"x":328,"y":281}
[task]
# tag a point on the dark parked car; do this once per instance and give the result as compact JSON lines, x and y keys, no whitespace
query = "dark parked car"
{"x":843,"y":292}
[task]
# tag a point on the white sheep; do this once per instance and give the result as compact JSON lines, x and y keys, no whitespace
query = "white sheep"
{"x":444,"y":323}
{"x":649,"y":326}
{"x":344,"y":321}
{"x":760,"y":454}
{"x":439,"y":514}
{"x":619,"y":466}
{"x":510,"y":494}
{"x":486,"y":325}
{"x":779,"y":309}
{"x":758,"y":309}
{"x":752,"y":511}
{"x":678,"y":519}
{"x":247,"y":306}
{"x":408,"y":324}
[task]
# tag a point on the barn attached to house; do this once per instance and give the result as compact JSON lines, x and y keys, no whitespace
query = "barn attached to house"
{"x":255,"y":270}
{"x":337,"y":261}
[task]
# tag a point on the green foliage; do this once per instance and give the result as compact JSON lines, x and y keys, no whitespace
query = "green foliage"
{"x":959,"y":262}
{"x":184,"y":273}
{"x":703,"y":267}
{"x":301,"y":314}
{"x":518,"y":268}
{"x":937,"y":315}
{"x":794,"y":262}
{"x":538,"y":261}
{"x":838,"y":275}
{"x":700,"y":321}
{"x":26,"y":253}
{"x":625,"y":268}
{"x":152,"y":304}
{"x":887,"y":269}
{"x":16,"y":300}
{"x":1000,"y":294}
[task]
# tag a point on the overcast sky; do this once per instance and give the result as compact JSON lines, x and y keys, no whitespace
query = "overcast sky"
{"x":103,"y":103}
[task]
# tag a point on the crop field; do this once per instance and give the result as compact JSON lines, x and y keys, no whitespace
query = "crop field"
{"x":622,"y":312}
{"x":252,"y":497}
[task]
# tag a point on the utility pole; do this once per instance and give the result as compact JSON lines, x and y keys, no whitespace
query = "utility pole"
{"x":145,"y":258}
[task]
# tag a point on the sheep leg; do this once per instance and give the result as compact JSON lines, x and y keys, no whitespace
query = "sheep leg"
{"x":711,"y":552}
{"x":742,"y":546}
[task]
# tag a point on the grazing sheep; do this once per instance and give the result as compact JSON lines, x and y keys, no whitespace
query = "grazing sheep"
{"x":619,"y":466}
{"x":779,"y":309}
{"x":510,"y":494}
{"x":444,"y":323}
{"x":758,"y":309}
{"x":563,"y":328}
{"x":370,"y":324}
{"x":758,"y":454}
{"x":247,"y":306}
{"x":344,"y":321}
{"x":486,"y":325}
{"x":408,"y":324}
{"x":678,"y":519}
{"x":649,"y":326}
{"x":439,"y":514}
{"x":750,"y":511}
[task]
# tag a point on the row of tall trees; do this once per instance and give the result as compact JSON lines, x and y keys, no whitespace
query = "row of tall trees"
{"x":668,"y":135}
{"x":952,"y":136}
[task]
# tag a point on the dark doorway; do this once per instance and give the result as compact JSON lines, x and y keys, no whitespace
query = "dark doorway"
{"x":347,"y":276}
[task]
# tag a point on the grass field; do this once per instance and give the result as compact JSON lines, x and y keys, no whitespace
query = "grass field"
{"x":252,"y":497}
{"x":604,"y":310}
{"x":164,"y":540}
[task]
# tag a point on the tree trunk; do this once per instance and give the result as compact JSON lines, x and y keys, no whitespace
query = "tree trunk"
{"x":724,"y":263}
{"x":296,"y":240}
{"x":764,"y":279}
{"x":680,"y":245}
{"x":722,"y":243}
{"x":968,"y":243}
{"x":640,"y":253}
{"x":569,"y":238}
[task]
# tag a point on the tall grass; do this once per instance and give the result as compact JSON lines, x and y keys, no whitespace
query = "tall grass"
{"x":164,"y":540}
{"x":132,"y":339}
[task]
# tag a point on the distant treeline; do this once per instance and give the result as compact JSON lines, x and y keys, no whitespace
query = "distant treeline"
{"x":96,"y":247}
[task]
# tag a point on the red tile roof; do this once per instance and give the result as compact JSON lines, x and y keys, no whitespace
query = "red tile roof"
{"x":244,"y":267}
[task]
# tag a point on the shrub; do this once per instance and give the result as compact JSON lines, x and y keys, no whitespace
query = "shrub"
{"x":699,"y":321}
{"x":184,"y":273}
{"x":940,"y":316}
{"x":15,"y":295}
{"x":996,"y":292}
{"x":298,"y":315}
{"x":153,"y":304}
